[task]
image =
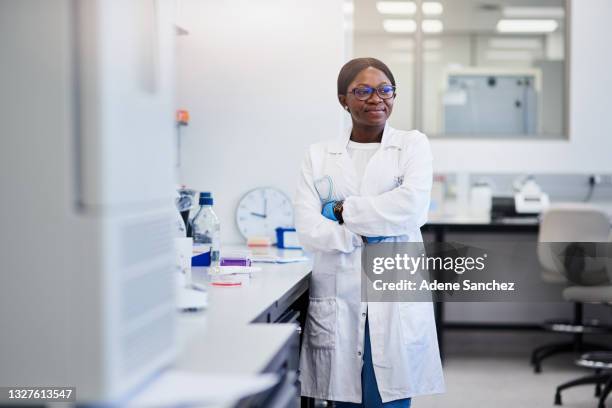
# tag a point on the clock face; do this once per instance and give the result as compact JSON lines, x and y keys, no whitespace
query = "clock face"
{"x":262,"y":210}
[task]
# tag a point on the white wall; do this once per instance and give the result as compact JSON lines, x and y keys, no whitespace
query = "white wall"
{"x":589,"y":148}
{"x":259,"y":78}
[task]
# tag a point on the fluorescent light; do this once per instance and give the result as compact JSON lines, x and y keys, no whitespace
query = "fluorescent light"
{"x":432,"y":26}
{"x":432,"y":8}
{"x":534,"y":12}
{"x":396,"y":7}
{"x":505,"y":55}
{"x":526,"y":26}
{"x":399,"y":26}
{"x":348,"y":7}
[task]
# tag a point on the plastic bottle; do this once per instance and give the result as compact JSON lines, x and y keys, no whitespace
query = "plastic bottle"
{"x":206,"y":228}
{"x":180,"y":231}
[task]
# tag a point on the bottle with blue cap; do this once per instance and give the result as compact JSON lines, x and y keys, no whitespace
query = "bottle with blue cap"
{"x":205,"y":227}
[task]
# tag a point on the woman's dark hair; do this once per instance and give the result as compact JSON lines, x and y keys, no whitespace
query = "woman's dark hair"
{"x":350,"y":70}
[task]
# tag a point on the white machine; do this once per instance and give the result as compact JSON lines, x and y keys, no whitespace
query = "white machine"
{"x":86,"y":289}
{"x":530,"y":199}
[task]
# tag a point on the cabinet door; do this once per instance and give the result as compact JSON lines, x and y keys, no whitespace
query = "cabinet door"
{"x":125,"y":129}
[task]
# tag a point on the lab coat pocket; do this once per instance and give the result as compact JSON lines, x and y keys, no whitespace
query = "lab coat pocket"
{"x":320,"y":330}
{"x":413,"y":323}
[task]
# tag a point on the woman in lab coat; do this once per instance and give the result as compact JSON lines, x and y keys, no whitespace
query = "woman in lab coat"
{"x":371,"y":185}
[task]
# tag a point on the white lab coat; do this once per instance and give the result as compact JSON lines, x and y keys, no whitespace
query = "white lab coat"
{"x":392,"y":200}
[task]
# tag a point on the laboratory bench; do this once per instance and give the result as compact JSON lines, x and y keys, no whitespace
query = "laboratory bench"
{"x":440,"y":228}
{"x":469,"y":228}
{"x":251,"y":329}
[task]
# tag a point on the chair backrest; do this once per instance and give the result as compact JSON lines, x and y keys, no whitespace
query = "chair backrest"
{"x":569,"y":223}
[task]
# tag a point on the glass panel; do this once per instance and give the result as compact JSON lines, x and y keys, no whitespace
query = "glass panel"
{"x":392,"y":42}
{"x":495,"y":69}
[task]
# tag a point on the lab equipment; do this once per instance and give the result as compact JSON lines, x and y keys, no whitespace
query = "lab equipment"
{"x":236,"y":257}
{"x":481,"y":199}
{"x":185,"y":203}
{"x":182,"y":119}
{"x":183,"y":247}
{"x":206,"y":228}
{"x":192,"y":213}
{"x":496,"y":102}
{"x":180,"y":230}
{"x":201,"y":256}
{"x":232,"y":275}
{"x":97,"y":302}
{"x":286,"y":238}
{"x":261,"y":210}
{"x":232,"y":261}
{"x":259,"y":241}
{"x":438,"y":195}
{"x":530,"y":199}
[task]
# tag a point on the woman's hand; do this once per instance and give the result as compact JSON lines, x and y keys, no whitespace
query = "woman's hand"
{"x":328,"y":210}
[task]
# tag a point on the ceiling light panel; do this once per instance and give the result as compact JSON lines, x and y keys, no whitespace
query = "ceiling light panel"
{"x":534,"y":12}
{"x":432,"y":8}
{"x":526,"y":26}
{"x":396,"y":7}
{"x":432,"y":26}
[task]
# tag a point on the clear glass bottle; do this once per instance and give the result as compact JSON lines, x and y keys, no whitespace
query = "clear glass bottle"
{"x":205,"y":227}
{"x":180,"y":231}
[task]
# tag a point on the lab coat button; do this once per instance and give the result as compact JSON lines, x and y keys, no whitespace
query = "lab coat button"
{"x":359,"y":353}
{"x":363,"y":315}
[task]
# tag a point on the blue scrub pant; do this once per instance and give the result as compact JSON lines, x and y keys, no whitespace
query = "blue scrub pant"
{"x":370,"y":396}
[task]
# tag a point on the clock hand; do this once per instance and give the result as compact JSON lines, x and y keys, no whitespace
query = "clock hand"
{"x":258,"y":215}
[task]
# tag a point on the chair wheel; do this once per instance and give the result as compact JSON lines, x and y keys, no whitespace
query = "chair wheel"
{"x":537,"y":368}
{"x":558,"y":399}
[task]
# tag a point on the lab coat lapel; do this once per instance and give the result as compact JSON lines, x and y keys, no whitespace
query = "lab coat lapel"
{"x":345,"y":175}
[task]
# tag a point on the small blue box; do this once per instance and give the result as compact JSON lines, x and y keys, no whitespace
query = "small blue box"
{"x":202,"y":259}
{"x":286,"y":238}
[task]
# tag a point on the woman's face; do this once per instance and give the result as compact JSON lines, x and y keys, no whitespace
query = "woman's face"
{"x":374,"y":111}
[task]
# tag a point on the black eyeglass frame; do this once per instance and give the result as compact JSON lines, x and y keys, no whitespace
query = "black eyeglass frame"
{"x":352,"y":91}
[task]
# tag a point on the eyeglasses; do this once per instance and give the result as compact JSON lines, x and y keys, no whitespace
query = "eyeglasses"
{"x":363,"y":93}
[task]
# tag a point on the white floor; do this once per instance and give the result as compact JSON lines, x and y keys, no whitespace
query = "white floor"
{"x":491,"y":369}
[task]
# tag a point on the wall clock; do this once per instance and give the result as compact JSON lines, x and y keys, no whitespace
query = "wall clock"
{"x":262,"y":210}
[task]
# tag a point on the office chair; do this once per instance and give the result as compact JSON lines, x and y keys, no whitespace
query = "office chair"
{"x":600,"y":361}
{"x":570,"y":223}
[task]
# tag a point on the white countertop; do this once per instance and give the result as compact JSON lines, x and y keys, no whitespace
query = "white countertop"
{"x":222,"y":338}
{"x":459,"y":217}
